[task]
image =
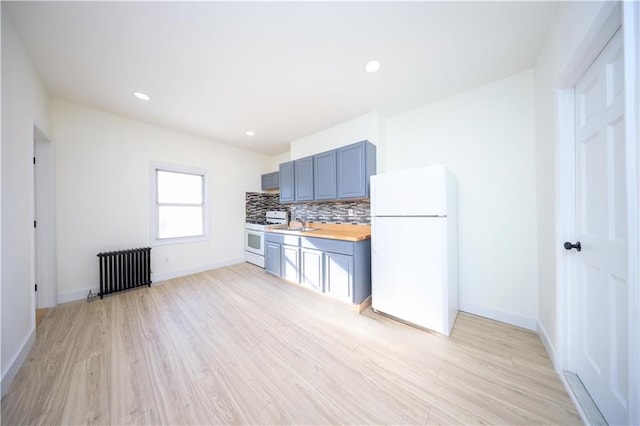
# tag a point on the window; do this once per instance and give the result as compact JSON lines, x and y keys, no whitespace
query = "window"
{"x":179,"y":204}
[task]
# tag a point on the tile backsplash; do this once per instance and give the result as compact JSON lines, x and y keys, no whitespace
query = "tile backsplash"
{"x":333,"y":212}
{"x":258,"y":203}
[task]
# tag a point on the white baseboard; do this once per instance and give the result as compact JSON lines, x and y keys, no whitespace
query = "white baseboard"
{"x":551,"y":351}
{"x":164,"y":276}
{"x":17,"y":362}
{"x":494,"y":314}
{"x":155,"y":278}
{"x":76,"y":295}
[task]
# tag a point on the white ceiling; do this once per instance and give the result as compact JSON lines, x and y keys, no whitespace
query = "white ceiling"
{"x":283,"y":70}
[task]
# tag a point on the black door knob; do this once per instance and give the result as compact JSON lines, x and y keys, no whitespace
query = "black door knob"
{"x":569,"y":246}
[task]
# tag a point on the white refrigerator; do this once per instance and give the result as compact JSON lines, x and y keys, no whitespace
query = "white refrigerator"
{"x":414,"y":251}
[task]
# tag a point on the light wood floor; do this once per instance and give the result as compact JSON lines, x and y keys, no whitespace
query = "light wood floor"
{"x":39,"y":315}
{"x":236,"y":346}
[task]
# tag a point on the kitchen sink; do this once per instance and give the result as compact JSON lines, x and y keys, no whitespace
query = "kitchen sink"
{"x":295,"y":228}
{"x":301,"y":229}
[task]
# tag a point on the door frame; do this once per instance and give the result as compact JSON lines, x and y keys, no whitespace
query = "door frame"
{"x":602,"y":29}
{"x":44,"y":254}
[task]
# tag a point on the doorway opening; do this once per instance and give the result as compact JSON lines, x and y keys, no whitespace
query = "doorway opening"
{"x":44,"y":229}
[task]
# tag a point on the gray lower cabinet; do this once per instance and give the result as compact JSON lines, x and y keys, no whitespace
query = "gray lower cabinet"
{"x":340,"y":269}
{"x":338,"y":273}
{"x":291,"y":263}
{"x":273,"y":258}
{"x":311,"y":261}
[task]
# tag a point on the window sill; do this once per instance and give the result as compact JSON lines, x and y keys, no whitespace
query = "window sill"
{"x":179,"y":240}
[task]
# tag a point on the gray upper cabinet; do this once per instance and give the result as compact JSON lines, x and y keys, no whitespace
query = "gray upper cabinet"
{"x":324,"y":176}
{"x":303,"y":179}
{"x":338,"y":174}
{"x":271,"y":181}
{"x":356,"y":163}
{"x":266,"y":181}
{"x":287,"y":193}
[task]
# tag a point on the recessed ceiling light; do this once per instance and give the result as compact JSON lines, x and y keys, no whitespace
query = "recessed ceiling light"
{"x":372,"y":66}
{"x":141,"y":96}
{"x":250,"y":133}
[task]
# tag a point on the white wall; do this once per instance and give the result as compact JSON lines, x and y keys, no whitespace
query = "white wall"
{"x":571,"y":23}
{"x":103,"y":163}
{"x":276,"y":160}
{"x":24,"y":103}
{"x":360,"y":128}
{"x":486,"y":137}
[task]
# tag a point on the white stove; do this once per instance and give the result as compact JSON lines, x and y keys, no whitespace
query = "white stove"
{"x":254,"y":236}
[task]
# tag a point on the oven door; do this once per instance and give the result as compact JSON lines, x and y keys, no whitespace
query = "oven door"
{"x":254,"y":242}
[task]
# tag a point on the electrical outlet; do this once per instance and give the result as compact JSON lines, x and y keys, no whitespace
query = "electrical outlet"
{"x":350,"y":212}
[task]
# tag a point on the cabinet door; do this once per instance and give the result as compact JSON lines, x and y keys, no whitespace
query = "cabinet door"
{"x":290,"y":263}
{"x":272,"y":258}
{"x":271,"y":180}
{"x":303,"y":179}
{"x":338,"y":276}
{"x":275,"y":180}
{"x":266,"y":181}
{"x":286,"y":182}
{"x":324,"y":176}
{"x":311,"y":273}
{"x":351,"y":171}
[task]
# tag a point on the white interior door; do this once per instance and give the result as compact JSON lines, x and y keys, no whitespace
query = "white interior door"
{"x":600,"y":354}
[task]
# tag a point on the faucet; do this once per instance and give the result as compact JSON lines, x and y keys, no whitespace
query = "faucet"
{"x":303,"y":221}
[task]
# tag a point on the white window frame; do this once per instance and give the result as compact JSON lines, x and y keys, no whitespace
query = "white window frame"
{"x":154,"y":210}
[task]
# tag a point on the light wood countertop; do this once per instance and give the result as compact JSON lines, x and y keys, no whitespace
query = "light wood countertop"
{"x":344,"y":232}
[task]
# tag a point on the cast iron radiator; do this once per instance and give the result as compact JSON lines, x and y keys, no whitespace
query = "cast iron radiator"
{"x":124,"y":269}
